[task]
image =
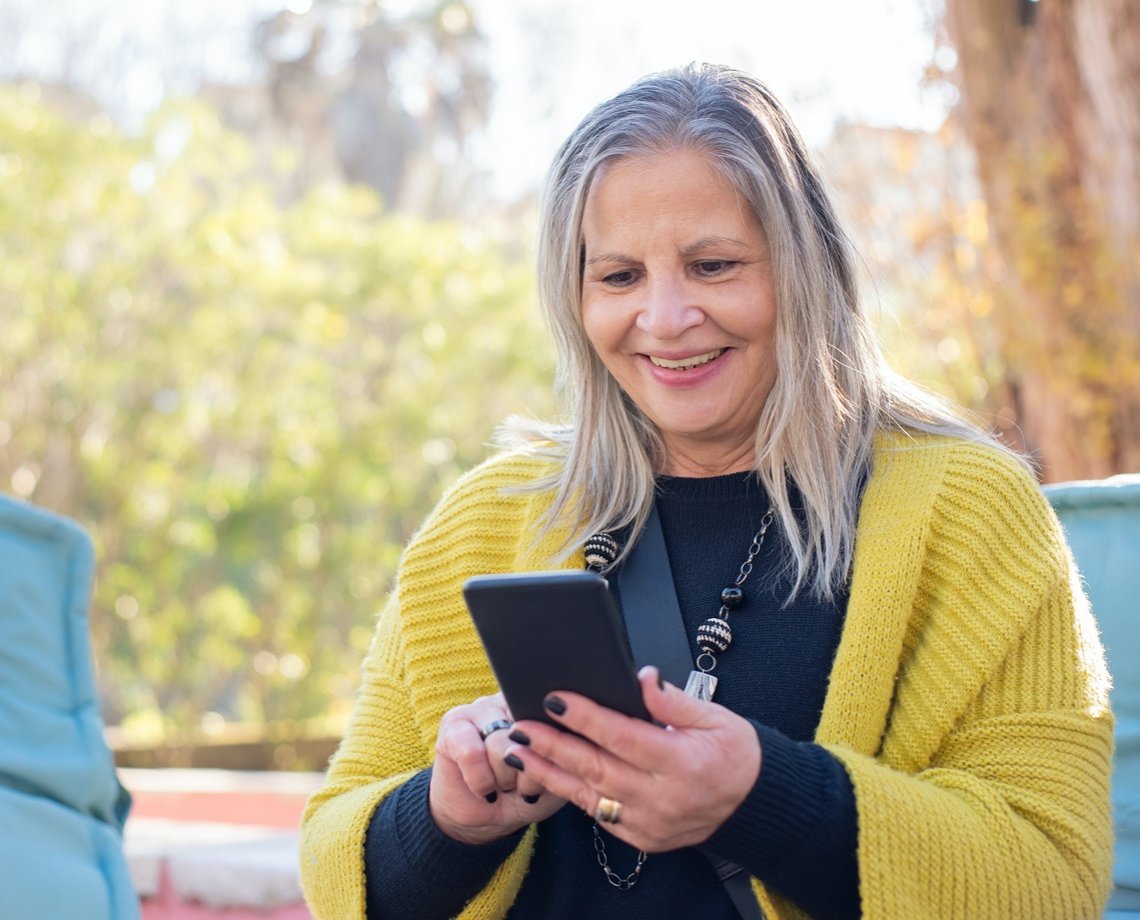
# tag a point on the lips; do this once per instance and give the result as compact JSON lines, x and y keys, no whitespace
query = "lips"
{"x":685,"y":364}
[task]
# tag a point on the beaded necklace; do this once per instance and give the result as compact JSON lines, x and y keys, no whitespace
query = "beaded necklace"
{"x":714,"y":636}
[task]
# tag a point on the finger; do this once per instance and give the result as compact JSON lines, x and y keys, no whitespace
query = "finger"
{"x":563,"y":786}
{"x":527,"y":786}
{"x":459,"y":743}
{"x":635,"y":741}
{"x":545,"y":773}
{"x":670,"y":704}
{"x":680,"y":803}
{"x":471,"y":819}
{"x":506,"y":779}
{"x":489,"y":716}
{"x":719,"y":729}
{"x":499,"y":703}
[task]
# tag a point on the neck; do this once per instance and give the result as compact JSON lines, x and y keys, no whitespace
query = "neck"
{"x":706,"y":460}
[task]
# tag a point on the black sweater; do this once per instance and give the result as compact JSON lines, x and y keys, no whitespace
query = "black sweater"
{"x":796,"y":830}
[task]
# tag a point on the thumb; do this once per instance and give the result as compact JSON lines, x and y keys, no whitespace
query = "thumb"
{"x":670,"y":704}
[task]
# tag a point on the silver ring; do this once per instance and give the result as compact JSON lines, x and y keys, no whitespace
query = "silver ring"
{"x":491,"y":727}
{"x":608,"y":811}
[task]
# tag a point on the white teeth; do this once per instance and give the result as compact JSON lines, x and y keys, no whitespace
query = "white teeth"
{"x":686,"y":363}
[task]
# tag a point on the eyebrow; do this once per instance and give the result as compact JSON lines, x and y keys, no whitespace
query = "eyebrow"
{"x":708,"y":242}
{"x":609,"y":257}
{"x":705,"y":242}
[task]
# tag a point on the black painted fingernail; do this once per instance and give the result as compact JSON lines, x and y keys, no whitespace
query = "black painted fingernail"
{"x":555,"y":705}
{"x":531,"y":799}
{"x":518,"y":736}
{"x":512,"y":761}
{"x":660,"y":681}
{"x":492,"y":797}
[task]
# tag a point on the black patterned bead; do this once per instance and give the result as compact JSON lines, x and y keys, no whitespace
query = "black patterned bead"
{"x":732,"y":597}
{"x":601,"y":550}
{"x":714,"y":636}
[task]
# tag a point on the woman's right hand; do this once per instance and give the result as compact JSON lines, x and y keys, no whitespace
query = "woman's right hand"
{"x":474,"y":796}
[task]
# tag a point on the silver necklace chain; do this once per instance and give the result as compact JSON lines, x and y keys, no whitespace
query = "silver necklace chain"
{"x":714,"y":635}
{"x":624,"y":882}
{"x":726,"y":605}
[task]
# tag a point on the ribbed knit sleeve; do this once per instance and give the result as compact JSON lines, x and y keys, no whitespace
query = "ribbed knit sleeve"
{"x":796,"y":829}
{"x":425,"y":658}
{"x":968,"y":700}
{"x":363,"y":771}
{"x":404,"y":849}
{"x":986,"y":793}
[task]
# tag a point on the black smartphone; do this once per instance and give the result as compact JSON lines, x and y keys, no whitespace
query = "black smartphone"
{"x":547,"y":631}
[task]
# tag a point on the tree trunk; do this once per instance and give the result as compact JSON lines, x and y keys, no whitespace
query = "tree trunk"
{"x":1051,"y":103}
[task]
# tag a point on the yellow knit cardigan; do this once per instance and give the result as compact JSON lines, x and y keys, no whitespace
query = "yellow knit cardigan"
{"x":968,"y":699}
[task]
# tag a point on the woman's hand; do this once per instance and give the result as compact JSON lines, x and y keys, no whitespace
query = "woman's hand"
{"x":676,"y":786}
{"x":474,"y":796}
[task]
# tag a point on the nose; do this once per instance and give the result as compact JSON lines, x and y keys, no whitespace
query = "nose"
{"x":668,"y":310}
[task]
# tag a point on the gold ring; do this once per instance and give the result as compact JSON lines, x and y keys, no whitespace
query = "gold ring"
{"x":608,"y":811}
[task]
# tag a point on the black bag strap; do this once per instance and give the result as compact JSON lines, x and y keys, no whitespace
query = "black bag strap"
{"x":649,"y":605}
{"x":657,"y":636}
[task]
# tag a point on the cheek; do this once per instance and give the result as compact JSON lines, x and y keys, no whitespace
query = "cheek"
{"x":754,"y":319}
{"x":599,"y":326}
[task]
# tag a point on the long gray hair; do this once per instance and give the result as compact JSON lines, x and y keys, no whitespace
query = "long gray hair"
{"x":833,"y":390}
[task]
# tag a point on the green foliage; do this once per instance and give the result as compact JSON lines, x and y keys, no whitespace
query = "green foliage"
{"x":250,"y":406}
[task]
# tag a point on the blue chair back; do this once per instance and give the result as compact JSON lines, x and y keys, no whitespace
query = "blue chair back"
{"x":61,"y":806}
{"x":1102,"y":522}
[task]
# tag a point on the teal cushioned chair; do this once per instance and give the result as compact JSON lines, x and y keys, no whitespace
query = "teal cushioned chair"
{"x":61,"y":806}
{"x":1102,"y":521}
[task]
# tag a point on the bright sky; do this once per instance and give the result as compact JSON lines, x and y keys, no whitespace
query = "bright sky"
{"x":828,"y":60}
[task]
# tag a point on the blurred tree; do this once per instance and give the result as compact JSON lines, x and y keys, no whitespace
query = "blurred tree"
{"x":390,"y":95}
{"x":389,"y":100}
{"x":1051,"y":104}
{"x":913,"y":206}
{"x":250,"y":406}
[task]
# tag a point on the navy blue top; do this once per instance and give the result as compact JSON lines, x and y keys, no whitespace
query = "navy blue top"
{"x":796,"y":830}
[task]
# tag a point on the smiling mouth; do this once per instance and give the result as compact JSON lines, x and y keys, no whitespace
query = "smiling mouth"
{"x":686,"y":364}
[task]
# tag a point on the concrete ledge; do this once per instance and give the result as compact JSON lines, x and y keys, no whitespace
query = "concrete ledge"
{"x":219,"y":865}
{"x":194,"y":849}
{"x":179,"y":780}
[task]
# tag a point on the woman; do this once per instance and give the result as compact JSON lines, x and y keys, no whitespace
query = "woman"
{"x":911,"y":717}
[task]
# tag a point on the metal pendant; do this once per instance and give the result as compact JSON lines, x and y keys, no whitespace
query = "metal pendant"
{"x":701,"y":685}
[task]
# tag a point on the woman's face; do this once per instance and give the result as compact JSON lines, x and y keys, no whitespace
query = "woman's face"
{"x":679,"y":303}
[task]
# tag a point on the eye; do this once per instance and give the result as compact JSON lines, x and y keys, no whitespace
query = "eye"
{"x":622,"y":278}
{"x":712,"y":266}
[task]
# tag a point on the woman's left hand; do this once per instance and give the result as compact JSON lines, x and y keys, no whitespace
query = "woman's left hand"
{"x":676,"y":786}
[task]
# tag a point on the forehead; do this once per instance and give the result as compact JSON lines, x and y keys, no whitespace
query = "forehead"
{"x":679,"y":165}
{"x":679,"y":187}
